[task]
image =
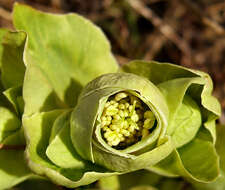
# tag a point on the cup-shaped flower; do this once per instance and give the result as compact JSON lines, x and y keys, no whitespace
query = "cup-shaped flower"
{"x":120,"y":122}
{"x":108,"y":125}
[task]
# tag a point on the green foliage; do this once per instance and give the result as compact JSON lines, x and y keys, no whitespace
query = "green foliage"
{"x":56,"y":78}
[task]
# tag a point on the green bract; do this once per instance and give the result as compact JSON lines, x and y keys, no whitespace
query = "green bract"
{"x":191,"y":124}
{"x":86,"y":128}
{"x":62,"y":53}
{"x":85,"y":119}
{"x":13,"y":169}
{"x":12,"y":74}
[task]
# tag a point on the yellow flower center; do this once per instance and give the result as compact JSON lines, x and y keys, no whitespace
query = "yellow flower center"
{"x":125,"y":120}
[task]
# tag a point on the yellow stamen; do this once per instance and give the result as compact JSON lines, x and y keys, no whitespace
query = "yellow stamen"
{"x":125,"y":120}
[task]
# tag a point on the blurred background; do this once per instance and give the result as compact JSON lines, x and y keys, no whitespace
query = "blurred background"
{"x":185,"y":32}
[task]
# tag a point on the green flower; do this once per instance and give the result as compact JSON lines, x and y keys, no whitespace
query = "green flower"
{"x":125,"y":115}
{"x":84,"y":120}
{"x":128,"y":118}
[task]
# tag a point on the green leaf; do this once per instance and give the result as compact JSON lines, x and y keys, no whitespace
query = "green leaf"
{"x":176,"y":88}
{"x":61,"y":145}
{"x":3,"y":31}
{"x":9,"y":123}
{"x":192,"y":156}
{"x":187,"y":122}
{"x":15,"y":139}
{"x":157,"y":72}
{"x":219,"y":184}
{"x":109,"y":183}
{"x":13,"y":169}
{"x":188,"y":162}
{"x":220,"y":145}
{"x":38,"y":131}
{"x":12,"y":59}
{"x":144,"y":160}
{"x":13,"y":94}
{"x":63,"y":53}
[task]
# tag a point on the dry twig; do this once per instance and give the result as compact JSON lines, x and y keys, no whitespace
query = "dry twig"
{"x":205,"y":19}
{"x":122,"y":60}
{"x":5,"y":14}
{"x":156,"y":42}
{"x":164,"y":28}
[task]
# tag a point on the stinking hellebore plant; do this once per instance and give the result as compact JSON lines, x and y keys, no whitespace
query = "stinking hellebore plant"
{"x":84,"y":118}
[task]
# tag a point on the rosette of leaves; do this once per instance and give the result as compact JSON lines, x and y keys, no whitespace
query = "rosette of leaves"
{"x":79,"y":128}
